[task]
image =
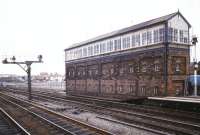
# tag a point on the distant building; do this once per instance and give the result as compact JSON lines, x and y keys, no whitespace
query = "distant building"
{"x":44,"y":76}
{"x":11,"y":78}
{"x":148,"y":59}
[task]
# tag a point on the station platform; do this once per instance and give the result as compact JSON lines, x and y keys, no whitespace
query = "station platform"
{"x":191,"y":104}
{"x":178,"y":99}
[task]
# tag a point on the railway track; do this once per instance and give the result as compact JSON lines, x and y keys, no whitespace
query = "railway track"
{"x":175,"y":114}
{"x":150,"y":123}
{"x":146,"y":119}
{"x":53,"y":122}
{"x":8,"y":126}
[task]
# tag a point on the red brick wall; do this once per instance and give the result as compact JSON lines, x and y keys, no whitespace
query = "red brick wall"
{"x":129,"y":75}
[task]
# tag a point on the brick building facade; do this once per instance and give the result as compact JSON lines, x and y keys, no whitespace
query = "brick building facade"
{"x":148,"y":59}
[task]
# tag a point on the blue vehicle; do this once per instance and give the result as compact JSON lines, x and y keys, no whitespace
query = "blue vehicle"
{"x":190,"y":85}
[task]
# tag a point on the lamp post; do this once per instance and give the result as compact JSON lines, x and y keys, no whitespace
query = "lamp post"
{"x":194,"y":41}
{"x":195,"y":78}
{"x":26,"y":68}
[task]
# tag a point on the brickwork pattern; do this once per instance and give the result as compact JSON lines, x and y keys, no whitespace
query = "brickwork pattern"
{"x":129,"y":75}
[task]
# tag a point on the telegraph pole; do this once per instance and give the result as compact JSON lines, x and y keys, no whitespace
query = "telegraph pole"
{"x":26,"y":68}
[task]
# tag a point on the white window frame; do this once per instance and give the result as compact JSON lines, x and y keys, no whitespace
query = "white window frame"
{"x":149,"y":37}
{"x":144,"y":38}
{"x":96,"y":48}
{"x":137,"y":40}
{"x":126,"y":42}
{"x":119,"y":44}
{"x":103,"y":43}
{"x":85,"y":48}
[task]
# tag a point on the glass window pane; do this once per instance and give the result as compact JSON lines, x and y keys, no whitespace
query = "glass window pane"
{"x":155,"y":35}
{"x":144,"y":38}
{"x":138,"y":39}
{"x":181,"y":36}
{"x":170,"y":34}
{"x":161,"y":34}
{"x":149,"y":37}
{"x":133,"y":40}
{"x":102,"y":47}
{"x":175,"y":38}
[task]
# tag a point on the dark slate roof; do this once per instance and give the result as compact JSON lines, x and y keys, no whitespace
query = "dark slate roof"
{"x":128,"y":29}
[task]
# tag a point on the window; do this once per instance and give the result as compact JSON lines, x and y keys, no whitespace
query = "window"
{"x":133,"y":40}
{"x":79,"y":74}
{"x":96,"y":49}
{"x":170,"y":34}
{"x":102,"y":47}
{"x":175,"y":38}
{"x":185,"y":40}
{"x":83,"y":73}
{"x":74,"y":54}
{"x":117,"y":44}
{"x":111,"y":70}
{"x":120,"y":88}
{"x":110,"y":46}
{"x":185,"y":34}
{"x":181,"y":36}
{"x":155,"y":91}
{"x":126,"y":42}
{"x":149,"y":37}
{"x":144,"y":67}
{"x":131,"y":68}
{"x":156,"y":67}
{"x":96,"y":72}
{"x":90,"y":73}
{"x":155,"y":35}
{"x":71,"y":55}
{"x":137,"y":68}
{"x":161,"y":34}
{"x":177,"y":67}
{"x":142,"y":91}
{"x":80,"y":53}
{"x":137,"y":39}
{"x":71,"y":73}
{"x":66,"y":55}
{"x":144,"y":38}
{"x":85,"y":52}
{"x":122,"y":70}
{"x":90,"y":50}
{"x":131,"y":89}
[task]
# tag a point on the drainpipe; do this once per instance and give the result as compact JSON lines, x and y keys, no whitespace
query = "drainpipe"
{"x":166,"y":44}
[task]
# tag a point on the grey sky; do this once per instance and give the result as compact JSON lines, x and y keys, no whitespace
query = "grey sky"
{"x":29,"y":28}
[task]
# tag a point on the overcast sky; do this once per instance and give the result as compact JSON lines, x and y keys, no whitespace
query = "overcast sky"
{"x":47,"y":27}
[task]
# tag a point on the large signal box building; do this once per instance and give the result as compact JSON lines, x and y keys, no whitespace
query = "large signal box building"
{"x":148,"y":59}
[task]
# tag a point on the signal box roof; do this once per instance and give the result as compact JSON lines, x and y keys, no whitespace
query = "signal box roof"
{"x":128,"y":29}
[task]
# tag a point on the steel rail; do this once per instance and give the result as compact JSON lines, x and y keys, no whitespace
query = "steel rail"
{"x":105,"y":103}
{"x":160,"y":119}
{"x":14,"y":123}
{"x":144,"y":116}
{"x":83,"y":124}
